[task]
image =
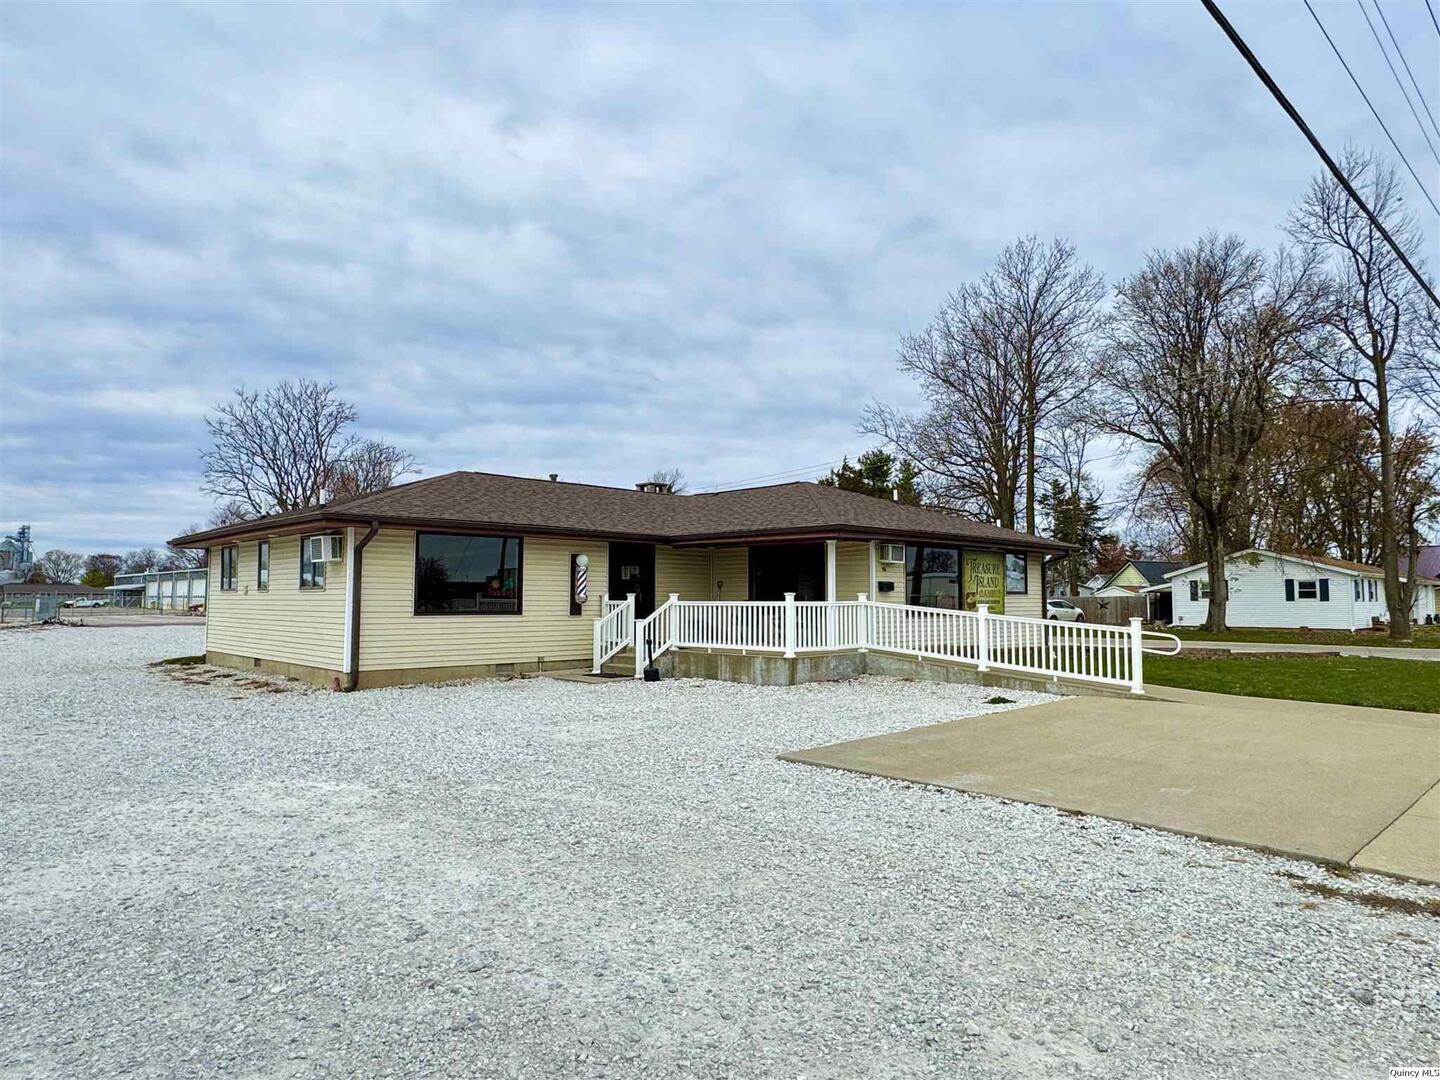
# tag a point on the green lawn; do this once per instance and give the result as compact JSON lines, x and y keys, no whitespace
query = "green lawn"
{"x":1343,"y":680}
{"x":1424,"y":637}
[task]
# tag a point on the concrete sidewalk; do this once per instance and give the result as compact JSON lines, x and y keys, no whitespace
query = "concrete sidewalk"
{"x":1384,"y":651}
{"x":1337,"y":783}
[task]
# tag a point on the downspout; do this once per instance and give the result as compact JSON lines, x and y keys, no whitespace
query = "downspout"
{"x":352,"y":676}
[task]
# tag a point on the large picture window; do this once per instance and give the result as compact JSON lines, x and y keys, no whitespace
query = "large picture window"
{"x":227,"y":568}
{"x":932,"y":576}
{"x":312,"y":574}
{"x":467,"y":575}
{"x":1017,"y":577}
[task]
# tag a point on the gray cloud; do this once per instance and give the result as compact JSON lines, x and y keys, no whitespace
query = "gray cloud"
{"x":584,"y":240}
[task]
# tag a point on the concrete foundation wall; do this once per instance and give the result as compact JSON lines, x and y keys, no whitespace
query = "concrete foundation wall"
{"x":325,"y":677}
{"x":770,"y":670}
{"x":316,"y":676}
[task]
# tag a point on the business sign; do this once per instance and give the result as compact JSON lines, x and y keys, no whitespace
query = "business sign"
{"x":985,"y":580}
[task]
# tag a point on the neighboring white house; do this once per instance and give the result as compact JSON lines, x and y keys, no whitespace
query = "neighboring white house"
{"x":1269,"y":588}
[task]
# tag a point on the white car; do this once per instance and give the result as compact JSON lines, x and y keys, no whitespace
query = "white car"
{"x":1063,"y":611}
{"x":86,"y":601}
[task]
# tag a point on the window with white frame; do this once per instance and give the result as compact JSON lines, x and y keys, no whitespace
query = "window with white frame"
{"x":1373,"y":588}
{"x":1307,"y":589}
{"x":1199,"y":588}
{"x":1359,"y":589}
{"x":312,"y":573}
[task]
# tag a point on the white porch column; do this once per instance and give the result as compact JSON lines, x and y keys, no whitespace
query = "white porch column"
{"x":832,"y":615}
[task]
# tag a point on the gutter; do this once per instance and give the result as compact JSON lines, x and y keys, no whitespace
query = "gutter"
{"x":352,"y":676}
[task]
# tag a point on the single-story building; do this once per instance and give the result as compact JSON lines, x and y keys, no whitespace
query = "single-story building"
{"x":1270,"y":588}
{"x":161,"y":590}
{"x":472,"y":574}
{"x":1135,"y":575}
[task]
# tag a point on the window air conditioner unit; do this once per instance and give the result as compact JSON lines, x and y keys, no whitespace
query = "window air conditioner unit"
{"x":893,"y":553}
{"x":328,"y":548}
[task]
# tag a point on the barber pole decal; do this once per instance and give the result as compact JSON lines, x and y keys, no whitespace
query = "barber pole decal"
{"x":580,"y":576}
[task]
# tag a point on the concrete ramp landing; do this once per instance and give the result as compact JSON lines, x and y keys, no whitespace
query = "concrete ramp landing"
{"x":1336,"y":783}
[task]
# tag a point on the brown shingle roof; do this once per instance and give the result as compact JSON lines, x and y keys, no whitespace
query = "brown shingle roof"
{"x":485,"y":500}
{"x":1346,"y":564}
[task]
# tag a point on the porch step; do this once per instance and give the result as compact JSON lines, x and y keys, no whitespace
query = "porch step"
{"x":622,"y":663}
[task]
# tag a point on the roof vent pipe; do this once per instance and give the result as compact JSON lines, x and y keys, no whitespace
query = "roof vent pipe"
{"x":655,"y":487}
{"x":554,"y":476}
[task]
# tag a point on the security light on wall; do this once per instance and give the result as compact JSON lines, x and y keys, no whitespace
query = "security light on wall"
{"x":894,"y":553}
{"x":328,"y":548}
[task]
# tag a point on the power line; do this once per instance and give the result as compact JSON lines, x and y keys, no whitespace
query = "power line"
{"x":1335,"y":171}
{"x":1414,"y":81}
{"x":774,"y":476}
{"x":1433,"y":20}
{"x":1396,"y":75}
{"x":1373,"y":113}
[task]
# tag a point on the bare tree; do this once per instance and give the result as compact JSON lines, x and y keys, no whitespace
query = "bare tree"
{"x":970,"y":442}
{"x":1047,"y":305}
{"x":142,"y":561}
{"x":672,"y":477}
{"x":1204,"y":342}
{"x":1382,"y":320}
{"x":289,"y":448}
{"x":1072,"y":504}
{"x":1000,"y":359}
{"x":62,"y":567}
{"x":370,"y":466}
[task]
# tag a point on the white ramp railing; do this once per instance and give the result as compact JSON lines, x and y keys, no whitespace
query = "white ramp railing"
{"x":1109,"y":655}
{"x":614,"y":630}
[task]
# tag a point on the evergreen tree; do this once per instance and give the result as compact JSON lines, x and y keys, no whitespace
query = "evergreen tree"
{"x":877,"y":473}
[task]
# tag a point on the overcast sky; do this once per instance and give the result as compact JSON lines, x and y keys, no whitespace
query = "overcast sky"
{"x":587,"y":240}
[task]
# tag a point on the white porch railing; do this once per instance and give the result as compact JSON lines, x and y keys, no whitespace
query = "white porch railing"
{"x":614,"y":630}
{"x":1109,"y":655}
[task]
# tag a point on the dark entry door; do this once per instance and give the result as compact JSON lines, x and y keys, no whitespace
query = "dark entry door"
{"x":632,"y":570}
{"x":776,"y":569}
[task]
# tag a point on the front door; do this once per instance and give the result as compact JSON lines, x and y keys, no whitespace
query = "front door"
{"x":632,"y":570}
{"x":776,"y":569}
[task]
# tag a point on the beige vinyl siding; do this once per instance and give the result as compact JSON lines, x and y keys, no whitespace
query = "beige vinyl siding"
{"x":686,"y":572}
{"x":1129,"y":576}
{"x":284,"y":622}
{"x":393,"y":636}
{"x":852,"y":569}
{"x":1032,"y":604}
{"x":890,"y":572}
{"x":730,"y":568}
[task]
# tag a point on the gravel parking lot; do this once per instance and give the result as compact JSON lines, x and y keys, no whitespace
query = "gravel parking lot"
{"x":550,"y":879}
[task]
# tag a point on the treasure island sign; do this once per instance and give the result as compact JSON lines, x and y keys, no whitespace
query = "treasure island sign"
{"x":985,"y":580}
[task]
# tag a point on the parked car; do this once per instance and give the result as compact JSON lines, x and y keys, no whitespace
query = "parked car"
{"x":86,"y":601}
{"x":1063,"y":611}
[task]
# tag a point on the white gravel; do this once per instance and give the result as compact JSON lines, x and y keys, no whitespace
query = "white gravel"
{"x":551,"y":879}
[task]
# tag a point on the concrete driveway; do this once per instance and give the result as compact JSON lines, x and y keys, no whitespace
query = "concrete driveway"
{"x":1341,"y":784}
